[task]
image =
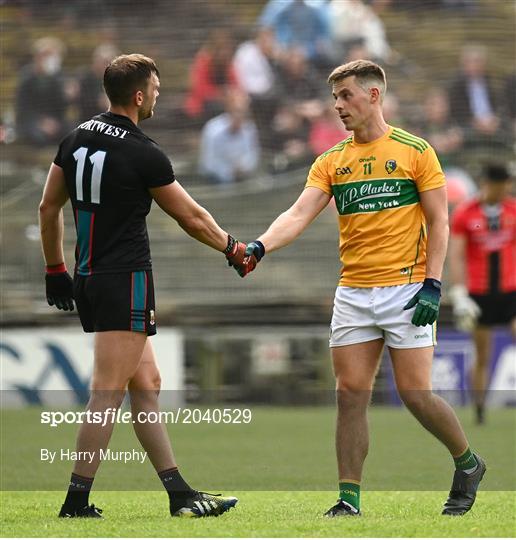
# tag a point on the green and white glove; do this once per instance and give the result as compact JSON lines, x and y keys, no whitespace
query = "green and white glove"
{"x":426,"y":301}
{"x":465,"y":310}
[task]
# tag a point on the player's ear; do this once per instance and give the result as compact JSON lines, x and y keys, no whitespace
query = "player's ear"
{"x":374,"y":94}
{"x":138,"y":98}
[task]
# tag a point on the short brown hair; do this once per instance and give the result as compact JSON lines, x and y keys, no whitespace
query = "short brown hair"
{"x":365,"y":72}
{"x":125,"y":75}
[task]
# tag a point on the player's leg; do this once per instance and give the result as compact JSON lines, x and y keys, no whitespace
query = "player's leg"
{"x":144,"y":388}
{"x":117,"y":355}
{"x":482,"y":337}
{"x":413,"y":376}
{"x":355,"y":367}
{"x":356,"y":344}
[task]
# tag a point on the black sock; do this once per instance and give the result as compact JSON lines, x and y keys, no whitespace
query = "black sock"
{"x":174,"y":483}
{"x":78,"y":492}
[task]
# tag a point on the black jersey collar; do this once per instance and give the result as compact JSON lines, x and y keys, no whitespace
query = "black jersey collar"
{"x":121,"y":120}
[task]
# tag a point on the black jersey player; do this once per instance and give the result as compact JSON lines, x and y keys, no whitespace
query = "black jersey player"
{"x":111,"y":172}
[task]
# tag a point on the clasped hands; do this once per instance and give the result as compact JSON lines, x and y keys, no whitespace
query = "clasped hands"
{"x":244,"y":258}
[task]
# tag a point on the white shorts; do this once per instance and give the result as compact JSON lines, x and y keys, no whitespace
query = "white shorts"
{"x":364,"y":314}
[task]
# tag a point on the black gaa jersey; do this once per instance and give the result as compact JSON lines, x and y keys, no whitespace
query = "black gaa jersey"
{"x":109,"y":164}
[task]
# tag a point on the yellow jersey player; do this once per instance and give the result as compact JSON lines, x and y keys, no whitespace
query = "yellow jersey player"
{"x":390,"y":194}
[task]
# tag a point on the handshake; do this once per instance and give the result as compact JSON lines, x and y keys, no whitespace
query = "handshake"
{"x":243,"y":258}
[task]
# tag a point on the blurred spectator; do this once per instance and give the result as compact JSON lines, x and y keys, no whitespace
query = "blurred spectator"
{"x":303,"y":24}
{"x":297,"y":80}
{"x":211,"y":74}
{"x":92,"y":99}
{"x":326,"y":130}
{"x":41,"y":100}
{"x":290,"y":135}
{"x":299,"y":90}
{"x":473,"y":101}
{"x":352,"y":22}
{"x":230,"y":148}
{"x":437,"y":127}
{"x":254,"y":64}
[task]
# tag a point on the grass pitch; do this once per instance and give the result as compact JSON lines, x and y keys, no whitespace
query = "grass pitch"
{"x":262,"y":514}
{"x":281,"y":467}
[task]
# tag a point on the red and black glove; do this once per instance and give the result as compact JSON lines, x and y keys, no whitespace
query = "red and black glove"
{"x":254,"y":252}
{"x":59,"y":287}
{"x":237,"y":258}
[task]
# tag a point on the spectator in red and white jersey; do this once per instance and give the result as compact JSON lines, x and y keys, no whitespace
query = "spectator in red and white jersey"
{"x":482,"y":265}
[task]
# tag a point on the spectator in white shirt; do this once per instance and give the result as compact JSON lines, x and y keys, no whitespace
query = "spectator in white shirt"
{"x":254,"y":64}
{"x":230,"y":149}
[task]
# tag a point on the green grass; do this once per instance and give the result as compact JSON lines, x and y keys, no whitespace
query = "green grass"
{"x":281,"y":466}
{"x":260,"y":514}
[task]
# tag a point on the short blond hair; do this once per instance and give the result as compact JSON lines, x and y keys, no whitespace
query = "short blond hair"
{"x":366,"y":74}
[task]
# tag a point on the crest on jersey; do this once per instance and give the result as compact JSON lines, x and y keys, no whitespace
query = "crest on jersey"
{"x":390,"y":165}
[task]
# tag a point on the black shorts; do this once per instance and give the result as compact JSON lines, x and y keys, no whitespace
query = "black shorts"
{"x":497,"y":309}
{"x":123,"y":301}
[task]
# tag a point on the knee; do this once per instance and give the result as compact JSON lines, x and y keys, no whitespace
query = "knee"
{"x":153,"y":382}
{"x":352,"y":385}
{"x":104,"y":399}
{"x":145,"y":389}
{"x":415,"y":400}
{"x":351,"y":396}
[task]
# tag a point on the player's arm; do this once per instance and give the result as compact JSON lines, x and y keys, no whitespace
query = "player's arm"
{"x":59,"y":289}
{"x":427,"y":299}
{"x":51,"y":222}
{"x":435,"y":208}
{"x":286,"y":227}
{"x":196,"y":221}
{"x":291,"y":223}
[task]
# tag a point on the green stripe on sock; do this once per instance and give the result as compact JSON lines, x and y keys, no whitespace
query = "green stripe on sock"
{"x":350,"y":493}
{"x":465,"y":461}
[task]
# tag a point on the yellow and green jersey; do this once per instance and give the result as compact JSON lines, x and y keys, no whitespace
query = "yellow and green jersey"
{"x":376,"y":188}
